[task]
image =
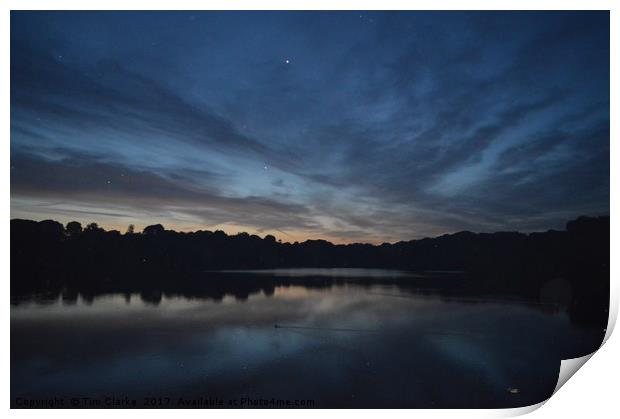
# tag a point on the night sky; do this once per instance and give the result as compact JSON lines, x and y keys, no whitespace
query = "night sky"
{"x":347,"y":126}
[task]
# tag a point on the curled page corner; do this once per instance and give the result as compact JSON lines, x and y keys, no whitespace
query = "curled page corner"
{"x":568,"y":367}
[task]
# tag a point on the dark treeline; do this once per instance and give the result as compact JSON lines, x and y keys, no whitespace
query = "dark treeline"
{"x":572,"y":264}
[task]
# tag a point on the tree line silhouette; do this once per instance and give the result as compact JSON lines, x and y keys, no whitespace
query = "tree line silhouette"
{"x":570,"y":265}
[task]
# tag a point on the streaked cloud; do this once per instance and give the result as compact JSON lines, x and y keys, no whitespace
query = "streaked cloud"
{"x":402,"y":125}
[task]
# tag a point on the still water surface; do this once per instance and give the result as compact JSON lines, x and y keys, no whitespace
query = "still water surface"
{"x":346,"y":345}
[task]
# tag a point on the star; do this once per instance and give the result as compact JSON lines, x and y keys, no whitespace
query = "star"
{"x":287,"y":61}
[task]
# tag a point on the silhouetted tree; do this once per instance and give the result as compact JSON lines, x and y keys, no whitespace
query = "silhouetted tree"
{"x":94,"y":227}
{"x":74,"y":228}
{"x":52,"y":227}
{"x":153,"y":229}
{"x":46,"y":258}
{"x":130,"y":229}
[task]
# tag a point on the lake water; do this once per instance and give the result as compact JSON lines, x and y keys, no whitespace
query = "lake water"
{"x":349,"y":343}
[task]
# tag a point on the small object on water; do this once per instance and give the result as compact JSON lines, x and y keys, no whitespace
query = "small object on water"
{"x":513,"y":390}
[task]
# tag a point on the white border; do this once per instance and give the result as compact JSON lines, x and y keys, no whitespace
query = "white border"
{"x":594,"y":393}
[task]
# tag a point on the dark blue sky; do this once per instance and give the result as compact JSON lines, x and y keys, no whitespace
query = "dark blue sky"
{"x":349,"y":126}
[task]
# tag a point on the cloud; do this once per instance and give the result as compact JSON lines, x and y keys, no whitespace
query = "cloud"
{"x":109,"y":96}
{"x":91,"y":181}
{"x":413,"y":124}
{"x":459,"y":142}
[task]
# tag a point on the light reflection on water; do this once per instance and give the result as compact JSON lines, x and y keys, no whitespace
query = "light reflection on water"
{"x":418,"y":351}
{"x":331,"y":273}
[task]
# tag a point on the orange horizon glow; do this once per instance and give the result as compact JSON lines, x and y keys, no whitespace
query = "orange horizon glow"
{"x":290,"y":236}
